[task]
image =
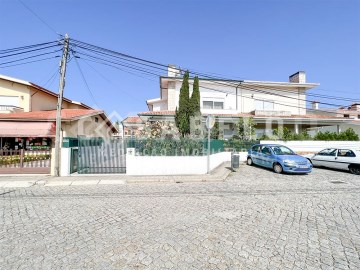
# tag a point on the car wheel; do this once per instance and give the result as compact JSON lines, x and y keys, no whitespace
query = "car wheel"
{"x":354,"y":169}
{"x":278,"y":168}
{"x":249,"y":161}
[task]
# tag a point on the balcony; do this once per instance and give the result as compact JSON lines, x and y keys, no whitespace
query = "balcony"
{"x":10,"y":109}
{"x":271,"y":113}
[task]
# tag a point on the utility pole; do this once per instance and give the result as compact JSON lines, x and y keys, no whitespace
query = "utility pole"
{"x":58,"y":138}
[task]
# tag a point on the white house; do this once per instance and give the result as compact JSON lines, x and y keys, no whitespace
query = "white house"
{"x":269,"y":103}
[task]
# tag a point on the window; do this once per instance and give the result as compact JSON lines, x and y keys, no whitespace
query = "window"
{"x":328,"y":152}
{"x":96,"y":119}
{"x":282,"y":150}
{"x":263,"y":105}
{"x":347,"y":115}
{"x":256,"y":148}
{"x":9,"y":101}
{"x":217,"y":105}
{"x":266,"y":151}
{"x":207,"y":104}
{"x":346,"y":153}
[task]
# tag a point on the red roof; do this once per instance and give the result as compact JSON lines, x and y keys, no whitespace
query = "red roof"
{"x":132,"y":119}
{"x":66,"y":114}
{"x":310,"y":116}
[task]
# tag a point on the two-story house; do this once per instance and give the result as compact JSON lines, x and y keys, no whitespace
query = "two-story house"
{"x":271,"y":104}
{"x":28,"y":120}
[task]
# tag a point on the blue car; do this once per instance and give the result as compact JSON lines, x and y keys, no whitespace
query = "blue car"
{"x":279,"y":158}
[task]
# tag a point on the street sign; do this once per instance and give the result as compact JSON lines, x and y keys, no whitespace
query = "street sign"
{"x":210,"y":121}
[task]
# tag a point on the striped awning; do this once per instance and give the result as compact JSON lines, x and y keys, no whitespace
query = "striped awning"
{"x":27,"y":129}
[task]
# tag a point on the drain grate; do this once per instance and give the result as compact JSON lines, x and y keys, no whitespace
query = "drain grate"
{"x":337,"y":182}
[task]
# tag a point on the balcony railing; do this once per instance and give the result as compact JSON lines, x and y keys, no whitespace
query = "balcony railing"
{"x":10,"y":108}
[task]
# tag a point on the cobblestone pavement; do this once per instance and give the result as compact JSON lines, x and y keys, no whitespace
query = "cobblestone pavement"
{"x":254,"y":220}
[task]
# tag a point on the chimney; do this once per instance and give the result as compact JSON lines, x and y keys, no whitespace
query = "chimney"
{"x":173,"y":71}
{"x":315,"y":105}
{"x":298,"y":77}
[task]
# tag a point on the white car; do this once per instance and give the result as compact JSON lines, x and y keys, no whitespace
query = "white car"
{"x":338,"y":158}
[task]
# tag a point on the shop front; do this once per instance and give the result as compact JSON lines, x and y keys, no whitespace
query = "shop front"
{"x":25,"y":147}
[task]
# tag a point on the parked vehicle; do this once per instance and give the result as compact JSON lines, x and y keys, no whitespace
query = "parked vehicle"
{"x":336,"y":158}
{"x":279,"y":158}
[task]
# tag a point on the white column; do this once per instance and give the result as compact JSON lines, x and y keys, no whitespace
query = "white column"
{"x":296,"y":128}
{"x":338,"y":129}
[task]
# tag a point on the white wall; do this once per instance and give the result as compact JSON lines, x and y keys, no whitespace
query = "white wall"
{"x":315,"y":146}
{"x":65,"y":161}
{"x":284,"y":98}
{"x":176,"y":165}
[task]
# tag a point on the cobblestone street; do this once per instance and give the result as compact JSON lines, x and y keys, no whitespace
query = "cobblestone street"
{"x":256,"y":219}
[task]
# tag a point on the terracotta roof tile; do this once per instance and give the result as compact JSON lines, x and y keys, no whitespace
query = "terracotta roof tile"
{"x":66,"y":114}
{"x":307,"y":116}
{"x":132,"y":119}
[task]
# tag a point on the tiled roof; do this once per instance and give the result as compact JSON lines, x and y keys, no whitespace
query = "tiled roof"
{"x":132,"y":119}
{"x":157,"y":113}
{"x":66,"y":114}
{"x":307,"y":116}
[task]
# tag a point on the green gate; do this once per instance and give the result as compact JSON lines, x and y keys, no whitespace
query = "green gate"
{"x":101,"y":155}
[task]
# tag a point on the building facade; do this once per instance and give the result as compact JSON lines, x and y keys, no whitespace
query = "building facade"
{"x":270,"y":104}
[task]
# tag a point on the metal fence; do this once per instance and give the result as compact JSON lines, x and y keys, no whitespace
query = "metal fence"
{"x":174,"y":147}
{"x":100,"y":155}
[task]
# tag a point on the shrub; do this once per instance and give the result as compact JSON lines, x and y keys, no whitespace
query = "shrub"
{"x":347,"y":135}
{"x":168,"y":147}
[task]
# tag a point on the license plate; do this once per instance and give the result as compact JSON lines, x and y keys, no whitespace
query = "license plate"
{"x":303,"y":166}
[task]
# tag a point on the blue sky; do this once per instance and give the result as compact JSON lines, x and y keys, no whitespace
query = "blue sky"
{"x":254,"y":40}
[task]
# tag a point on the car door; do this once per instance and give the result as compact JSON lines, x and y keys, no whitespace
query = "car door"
{"x":255,"y":154}
{"x":344,"y":158}
{"x":325,"y":158}
{"x":266,"y":157}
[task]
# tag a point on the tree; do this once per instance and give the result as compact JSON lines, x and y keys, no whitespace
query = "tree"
{"x":182,"y":116}
{"x":195,"y":98}
{"x":246,"y":129}
{"x":215,"y":131}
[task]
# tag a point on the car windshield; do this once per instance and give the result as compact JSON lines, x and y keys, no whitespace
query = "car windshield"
{"x":282,"y":150}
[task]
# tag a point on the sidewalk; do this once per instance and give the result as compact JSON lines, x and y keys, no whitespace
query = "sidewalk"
{"x":217,"y":175}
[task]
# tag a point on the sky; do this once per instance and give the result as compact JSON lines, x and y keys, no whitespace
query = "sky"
{"x":253,"y":40}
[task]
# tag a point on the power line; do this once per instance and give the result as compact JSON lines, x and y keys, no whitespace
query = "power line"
{"x":29,"y":51}
{"x":29,"y":62}
{"x":148,"y":71}
{"x":26,"y":47}
{"x":25,"y":58}
{"x":51,"y":78}
{"x":86,"y":84}
{"x":246,"y":88}
{"x":109,"y":81}
{"x":109,"y":53}
{"x":37,"y":16}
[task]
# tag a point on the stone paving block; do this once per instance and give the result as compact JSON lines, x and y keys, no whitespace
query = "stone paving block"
{"x":254,"y":220}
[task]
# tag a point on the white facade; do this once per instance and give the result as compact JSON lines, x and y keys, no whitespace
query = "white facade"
{"x":233,"y":97}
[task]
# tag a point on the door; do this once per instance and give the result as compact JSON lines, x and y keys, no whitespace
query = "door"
{"x":326,"y":158}
{"x":344,"y":158}
{"x":266,"y":157}
{"x":255,"y":152}
{"x":101,"y":155}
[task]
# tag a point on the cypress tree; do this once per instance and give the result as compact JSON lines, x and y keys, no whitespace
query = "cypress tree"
{"x":195,"y":98}
{"x":182,"y":117}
